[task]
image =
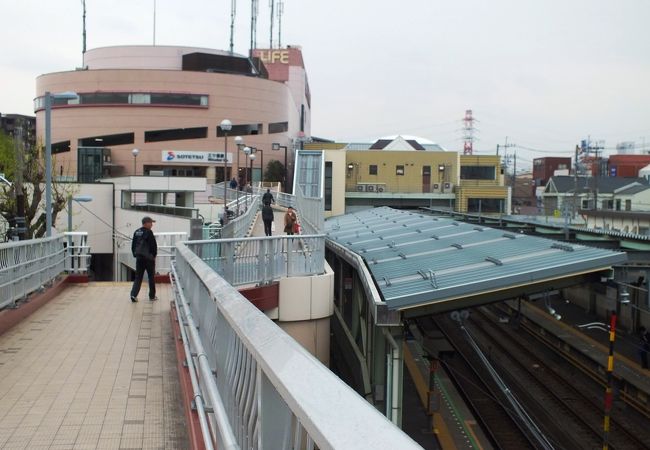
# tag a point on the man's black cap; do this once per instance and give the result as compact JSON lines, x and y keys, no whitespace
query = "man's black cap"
{"x":146,"y":219}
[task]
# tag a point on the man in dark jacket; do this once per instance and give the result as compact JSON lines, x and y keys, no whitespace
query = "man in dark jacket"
{"x":144,"y":249}
{"x":267,"y":218}
{"x":267,"y":198}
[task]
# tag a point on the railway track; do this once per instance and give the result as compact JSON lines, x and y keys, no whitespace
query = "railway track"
{"x":560,"y":398}
{"x":483,"y":397}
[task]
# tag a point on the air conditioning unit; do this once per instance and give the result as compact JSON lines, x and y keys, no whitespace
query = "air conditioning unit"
{"x":361,"y":187}
{"x":370,"y":188}
{"x":435,"y":187}
{"x":449,"y":187}
{"x":156,"y":173}
{"x":380,"y":188}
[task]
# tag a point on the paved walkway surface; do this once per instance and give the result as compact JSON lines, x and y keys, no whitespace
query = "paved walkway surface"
{"x":91,"y":370}
{"x":278,"y":220}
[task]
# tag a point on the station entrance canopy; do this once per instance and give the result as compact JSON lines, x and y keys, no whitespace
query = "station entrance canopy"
{"x":425,"y":264}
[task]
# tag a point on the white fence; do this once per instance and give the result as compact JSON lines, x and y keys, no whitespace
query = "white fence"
{"x":261,"y":260}
{"x":268,"y":391}
{"x":26,"y":266}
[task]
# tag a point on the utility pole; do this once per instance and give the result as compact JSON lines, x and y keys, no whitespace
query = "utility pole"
{"x":19,"y":221}
{"x":507,"y":157}
{"x":596,"y":149}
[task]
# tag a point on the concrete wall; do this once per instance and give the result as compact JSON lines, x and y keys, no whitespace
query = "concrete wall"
{"x":304,"y":309}
{"x":94,"y":217}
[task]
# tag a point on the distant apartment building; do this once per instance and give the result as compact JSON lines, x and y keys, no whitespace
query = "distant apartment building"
{"x":168,"y":102}
{"x":545,"y":168}
{"x":19,"y":126}
{"x":627,"y":165}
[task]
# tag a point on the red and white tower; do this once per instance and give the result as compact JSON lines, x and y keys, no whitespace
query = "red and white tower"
{"x":468,"y":133}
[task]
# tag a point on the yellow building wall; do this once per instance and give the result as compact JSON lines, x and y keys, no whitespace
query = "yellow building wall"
{"x":357,"y":170}
{"x":483,"y":189}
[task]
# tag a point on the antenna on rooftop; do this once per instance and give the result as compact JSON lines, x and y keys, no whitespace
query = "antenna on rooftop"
{"x":254,"y":11}
{"x":272,"y":5}
{"x":83,"y":50}
{"x":280,"y":13}
{"x":468,"y":133}
{"x":154,"y":23}
{"x":233,"y":12}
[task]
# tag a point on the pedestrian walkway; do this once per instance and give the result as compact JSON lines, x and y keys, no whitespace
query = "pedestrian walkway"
{"x":278,"y":220}
{"x":91,"y":370}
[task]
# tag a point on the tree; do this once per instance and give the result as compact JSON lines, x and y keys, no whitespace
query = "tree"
{"x":33,"y":186}
{"x":274,"y":171}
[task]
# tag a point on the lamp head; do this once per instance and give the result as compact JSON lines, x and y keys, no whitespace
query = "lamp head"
{"x":247,"y":150}
{"x":239,"y":140}
{"x":135,"y":152}
{"x":226,"y":125}
{"x":252,"y":156}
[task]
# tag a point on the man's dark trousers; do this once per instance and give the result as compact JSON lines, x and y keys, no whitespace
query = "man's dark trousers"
{"x":142,"y":264}
{"x":267,"y":227}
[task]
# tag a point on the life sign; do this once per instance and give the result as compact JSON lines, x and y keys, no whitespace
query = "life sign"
{"x":274,"y":56}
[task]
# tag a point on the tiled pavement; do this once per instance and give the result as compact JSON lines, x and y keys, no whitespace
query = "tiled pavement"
{"x":91,"y":370}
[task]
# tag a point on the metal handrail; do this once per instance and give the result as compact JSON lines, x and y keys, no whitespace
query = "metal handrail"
{"x":239,"y":226}
{"x":26,"y":266}
{"x":262,"y":260}
{"x":273,"y":391}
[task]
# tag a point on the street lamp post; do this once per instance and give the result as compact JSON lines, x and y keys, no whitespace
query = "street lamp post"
{"x":239,"y":142}
{"x":276,"y":146}
{"x":135,"y":152}
{"x":48,"y":154}
{"x":226,"y":126}
{"x":78,"y":198}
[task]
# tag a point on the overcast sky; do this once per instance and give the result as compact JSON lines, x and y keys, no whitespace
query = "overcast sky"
{"x":545,"y":73}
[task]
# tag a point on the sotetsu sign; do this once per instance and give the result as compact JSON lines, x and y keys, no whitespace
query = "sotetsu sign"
{"x":182,"y":156}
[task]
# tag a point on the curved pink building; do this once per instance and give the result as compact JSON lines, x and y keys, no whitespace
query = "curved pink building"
{"x":168,"y":102}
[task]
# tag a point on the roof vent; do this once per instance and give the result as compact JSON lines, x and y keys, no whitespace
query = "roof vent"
{"x":509,"y":236}
{"x":458,"y":246}
{"x":496,"y":261}
{"x":566,"y":248}
{"x":478,"y":229}
{"x":433,"y":236}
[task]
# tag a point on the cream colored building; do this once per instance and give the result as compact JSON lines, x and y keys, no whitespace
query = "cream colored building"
{"x":401,"y":172}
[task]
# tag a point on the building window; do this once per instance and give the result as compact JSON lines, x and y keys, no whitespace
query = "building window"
{"x":242,"y":130}
{"x":278,"y":127}
{"x":372,"y":169}
{"x":628,"y":205}
{"x":107,"y":140}
{"x":399,"y":170}
{"x":477,"y":173}
{"x":328,"y":186}
{"x":127,"y":98}
{"x":618,"y":205}
{"x":60,"y":147}
{"x":585,"y":204}
{"x":608,"y":204}
{"x":176,"y":134}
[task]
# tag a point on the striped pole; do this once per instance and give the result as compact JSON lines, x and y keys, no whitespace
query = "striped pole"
{"x":610,"y":380}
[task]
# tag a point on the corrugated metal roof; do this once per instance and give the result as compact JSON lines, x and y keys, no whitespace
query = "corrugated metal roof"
{"x":419,"y":259}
